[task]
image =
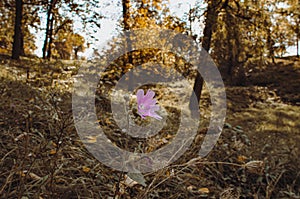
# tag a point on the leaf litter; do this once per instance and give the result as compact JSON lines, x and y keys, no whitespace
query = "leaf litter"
{"x":257,"y":155}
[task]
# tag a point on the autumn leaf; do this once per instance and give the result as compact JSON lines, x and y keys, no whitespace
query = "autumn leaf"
{"x":203,"y":190}
{"x":91,"y":139}
{"x":241,"y":158}
{"x":52,"y":151}
{"x":86,"y":169}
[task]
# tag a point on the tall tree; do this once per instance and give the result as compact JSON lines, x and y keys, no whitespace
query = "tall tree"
{"x":17,"y":43}
{"x":49,"y":28}
{"x":294,"y":12}
{"x":126,"y":14}
{"x":59,"y":14}
{"x":29,"y":19}
{"x":128,"y":59}
{"x":210,"y":22}
{"x":6,"y":26}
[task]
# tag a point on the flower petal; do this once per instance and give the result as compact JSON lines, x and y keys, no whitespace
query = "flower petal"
{"x":149,"y":102}
{"x":139,"y":96}
{"x":150,"y":94}
{"x":154,"y":107}
{"x":147,"y":105}
{"x":156,"y":116}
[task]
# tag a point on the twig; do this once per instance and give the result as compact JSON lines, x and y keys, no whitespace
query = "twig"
{"x":118,"y":185}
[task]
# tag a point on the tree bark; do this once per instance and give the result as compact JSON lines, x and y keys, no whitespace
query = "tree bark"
{"x":49,"y":51}
{"x":17,"y":46}
{"x":270,"y":41}
{"x":231,"y":48}
{"x":128,"y":57}
{"x":298,"y":48}
{"x":210,"y":21}
{"x":76,"y":53}
{"x":297,"y":37}
{"x":22,"y":44}
{"x":45,"y":46}
{"x":47,"y":33}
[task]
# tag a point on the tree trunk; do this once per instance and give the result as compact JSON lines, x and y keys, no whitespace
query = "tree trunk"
{"x":45,"y":46}
{"x":22,"y":44}
{"x":125,"y":5}
{"x":297,"y":47}
{"x":46,"y":41}
{"x":231,"y":47}
{"x":17,"y":46}
{"x":49,"y":51}
{"x":128,"y":58}
{"x":210,"y":21}
{"x":76,"y":53}
{"x":270,"y":42}
{"x":298,"y":32}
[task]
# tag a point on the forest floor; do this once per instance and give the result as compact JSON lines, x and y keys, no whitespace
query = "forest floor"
{"x":42,"y":156}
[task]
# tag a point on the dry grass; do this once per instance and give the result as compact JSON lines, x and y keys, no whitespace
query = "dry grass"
{"x":257,"y":155}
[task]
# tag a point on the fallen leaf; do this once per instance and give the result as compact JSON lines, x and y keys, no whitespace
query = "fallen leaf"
{"x":241,"y":158}
{"x":54,"y":144}
{"x":129,"y":182}
{"x":91,"y":139}
{"x":52,"y":152}
{"x":203,"y":190}
{"x":168,"y":173}
{"x":86,"y":169}
{"x":107,"y":121}
{"x":22,"y":173}
{"x":191,"y":188}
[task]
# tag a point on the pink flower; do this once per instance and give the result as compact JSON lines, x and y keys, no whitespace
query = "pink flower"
{"x":147,"y":105}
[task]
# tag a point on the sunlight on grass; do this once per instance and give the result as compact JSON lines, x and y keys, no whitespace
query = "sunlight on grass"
{"x":284,"y":119}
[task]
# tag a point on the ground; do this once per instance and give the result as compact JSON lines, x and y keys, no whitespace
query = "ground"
{"x":42,"y":156}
